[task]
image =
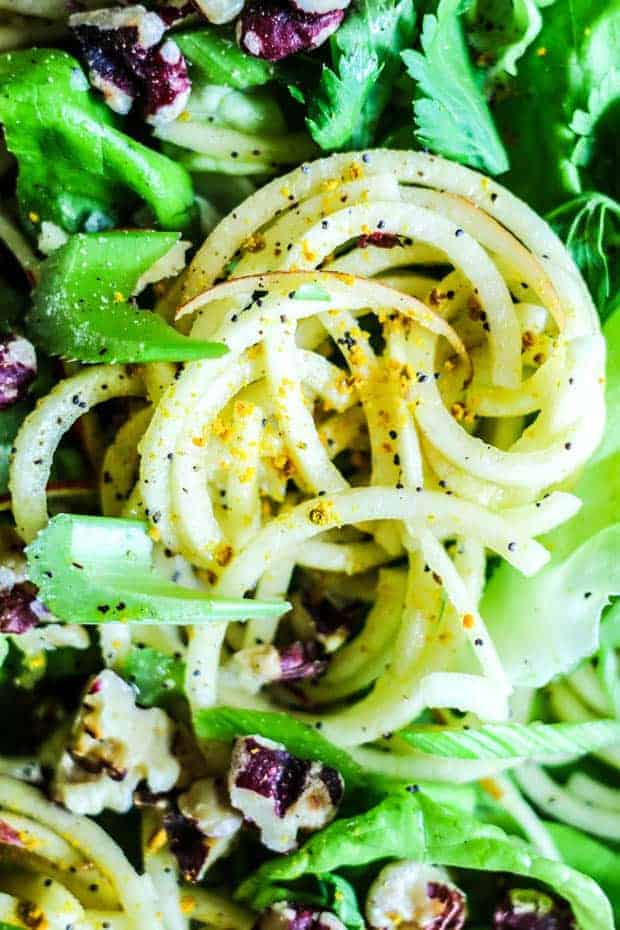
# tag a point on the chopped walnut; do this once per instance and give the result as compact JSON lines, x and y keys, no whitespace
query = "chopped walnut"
{"x":281,"y":793}
{"x":130,"y":62}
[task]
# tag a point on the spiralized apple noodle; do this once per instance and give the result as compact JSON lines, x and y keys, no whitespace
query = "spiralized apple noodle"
{"x":414,"y":378}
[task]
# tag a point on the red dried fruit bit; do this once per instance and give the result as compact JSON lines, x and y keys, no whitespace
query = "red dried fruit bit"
{"x":301,"y":660}
{"x":452,"y":902}
{"x":19,"y":609}
{"x":188,"y":844}
{"x":381,"y":240}
{"x":529,"y":909}
{"x":128,"y":62}
{"x":269,"y":29}
{"x":18,"y":368}
{"x":9,"y":836}
{"x":290,"y":916}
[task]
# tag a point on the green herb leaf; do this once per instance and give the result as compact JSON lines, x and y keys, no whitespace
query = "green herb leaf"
{"x":81,"y":310}
{"x":219,"y":60}
{"x":76,"y":168}
{"x":452,"y":116}
{"x":99,"y":569}
{"x":345,"y":109}
{"x":567,"y":597}
{"x":413,"y":826}
{"x":590,"y":227}
{"x":513,"y":740}
{"x":155,"y":676}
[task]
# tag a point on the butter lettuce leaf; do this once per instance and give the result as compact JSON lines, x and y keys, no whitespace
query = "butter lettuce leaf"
{"x":77,"y":169}
{"x":414,"y":826}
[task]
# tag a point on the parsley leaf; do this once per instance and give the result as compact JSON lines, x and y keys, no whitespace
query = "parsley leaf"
{"x":451,"y":114}
{"x":346,"y":108}
{"x":590,"y":227}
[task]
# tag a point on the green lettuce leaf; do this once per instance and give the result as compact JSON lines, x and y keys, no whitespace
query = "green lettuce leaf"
{"x":76,"y":168}
{"x":590,"y":227}
{"x":155,"y":676}
{"x":99,"y":569}
{"x":81,"y":309}
{"x":513,"y":740}
{"x":552,"y":620}
{"x":414,"y":826}
{"x":345,"y":109}
{"x":217,"y":59}
{"x":451,"y":113}
{"x":588,"y":855}
{"x":568,"y":85}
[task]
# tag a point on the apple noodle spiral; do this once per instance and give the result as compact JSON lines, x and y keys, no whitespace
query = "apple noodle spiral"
{"x":415,"y":371}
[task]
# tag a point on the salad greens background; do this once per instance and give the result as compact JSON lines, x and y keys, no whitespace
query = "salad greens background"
{"x":524,"y":90}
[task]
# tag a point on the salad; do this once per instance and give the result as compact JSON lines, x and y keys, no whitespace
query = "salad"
{"x":309,"y":465}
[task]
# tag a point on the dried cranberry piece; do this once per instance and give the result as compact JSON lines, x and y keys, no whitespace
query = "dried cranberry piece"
{"x":453,"y":913}
{"x":528,"y":909}
{"x":273,"y":773}
{"x":18,"y":608}
{"x":269,"y":29}
{"x":129,"y":63}
{"x":381,"y":240}
{"x":18,"y":368}
{"x":301,"y":660}
{"x":188,"y":844}
{"x":8,"y":835}
{"x":290,"y":916}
